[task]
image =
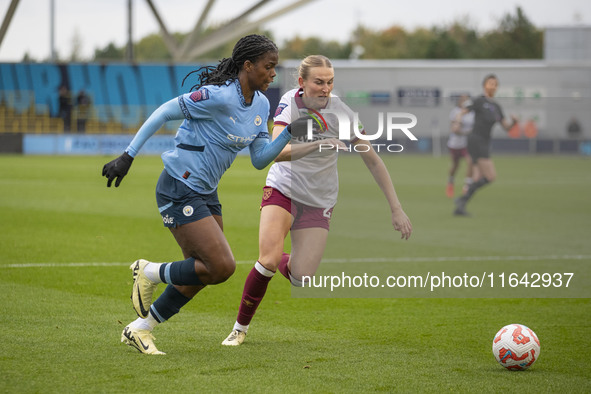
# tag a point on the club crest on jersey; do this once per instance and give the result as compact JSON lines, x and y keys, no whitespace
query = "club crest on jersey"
{"x":258,"y":120}
{"x":267,"y":191}
{"x":188,"y":210}
{"x":280,"y":109}
{"x":200,"y":95}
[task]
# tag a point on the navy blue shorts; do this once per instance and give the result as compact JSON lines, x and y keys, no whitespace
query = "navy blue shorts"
{"x":179,"y":204}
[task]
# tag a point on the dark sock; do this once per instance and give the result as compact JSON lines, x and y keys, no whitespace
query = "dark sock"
{"x":180,"y":273}
{"x":255,"y":288}
{"x":473,"y":187}
{"x":168,"y":304}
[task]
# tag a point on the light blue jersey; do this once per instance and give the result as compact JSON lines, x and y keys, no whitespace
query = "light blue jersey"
{"x":217,"y":125}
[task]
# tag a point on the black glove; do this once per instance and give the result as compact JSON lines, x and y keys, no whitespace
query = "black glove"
{"x":299,"y":127}
{"x":117,"y":169}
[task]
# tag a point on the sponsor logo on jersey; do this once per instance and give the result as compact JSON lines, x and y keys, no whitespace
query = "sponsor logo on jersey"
{"x":280,"y":109}
{"x":188,"y":210}
{"x":200,"y":95}
{"x":241,"y":140}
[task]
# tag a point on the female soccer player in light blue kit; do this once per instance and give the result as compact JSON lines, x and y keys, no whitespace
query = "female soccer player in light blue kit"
{"x":226,"y":113}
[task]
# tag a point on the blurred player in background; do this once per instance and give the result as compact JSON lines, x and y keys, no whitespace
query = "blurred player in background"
{"x":225,"y":113}
{"x":301,"y":191}
{"x":487,"y":112}
{"x":457,"y":143}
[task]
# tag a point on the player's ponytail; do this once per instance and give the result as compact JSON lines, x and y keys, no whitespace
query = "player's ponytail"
{"x":250,"y":47}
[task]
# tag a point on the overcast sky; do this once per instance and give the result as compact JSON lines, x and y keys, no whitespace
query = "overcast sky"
{"x":99,"y":22}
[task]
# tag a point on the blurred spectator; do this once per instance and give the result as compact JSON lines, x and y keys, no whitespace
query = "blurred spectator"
{"x":573,"y":128}
{"x":83,"y":110}
{"x":65,"y":107}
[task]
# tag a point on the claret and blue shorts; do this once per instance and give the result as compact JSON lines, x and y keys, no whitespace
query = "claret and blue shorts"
{"x":304,"y":216}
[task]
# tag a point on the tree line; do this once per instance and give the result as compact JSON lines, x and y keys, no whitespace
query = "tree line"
{"x":514,"y":37}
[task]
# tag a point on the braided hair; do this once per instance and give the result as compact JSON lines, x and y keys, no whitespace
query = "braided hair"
{"x":250,"y":47}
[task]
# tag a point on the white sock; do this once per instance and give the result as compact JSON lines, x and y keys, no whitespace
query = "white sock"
{"x":468,"y":181}
{"x":240,"y":327}
{"x":145,"y":324}
{"x":294,"y":281}
{"x":263,"y":271}
{"x":152,"y":272}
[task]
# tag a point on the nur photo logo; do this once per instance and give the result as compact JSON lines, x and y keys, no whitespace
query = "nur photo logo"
{"x":349,"y":127}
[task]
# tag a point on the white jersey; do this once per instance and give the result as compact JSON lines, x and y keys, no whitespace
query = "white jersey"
{"x":313,"y":179}
{"x":459,"y":141}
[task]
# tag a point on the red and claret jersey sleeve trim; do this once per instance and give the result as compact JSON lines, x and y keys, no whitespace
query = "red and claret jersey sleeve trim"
{"x":279,"y":124}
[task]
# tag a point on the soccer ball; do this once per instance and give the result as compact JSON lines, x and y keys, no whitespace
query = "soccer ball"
{"x":516,"y":347}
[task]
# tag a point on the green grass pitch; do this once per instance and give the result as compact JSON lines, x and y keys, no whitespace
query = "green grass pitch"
{"x":66,"y":242}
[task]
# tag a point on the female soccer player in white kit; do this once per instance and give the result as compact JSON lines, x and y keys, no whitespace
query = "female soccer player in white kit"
{"x":302,"y":187}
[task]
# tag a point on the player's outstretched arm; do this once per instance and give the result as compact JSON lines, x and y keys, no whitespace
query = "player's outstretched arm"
{"x":378,"y":170}
{"x":118,"y":168}
{"x":263,"y":151}
{"x":507,"y":125}
{"x":293,"y":152}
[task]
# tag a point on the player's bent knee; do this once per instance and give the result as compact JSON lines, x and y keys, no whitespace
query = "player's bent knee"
{"x":271,"y":261}
{"x":223,"y":270}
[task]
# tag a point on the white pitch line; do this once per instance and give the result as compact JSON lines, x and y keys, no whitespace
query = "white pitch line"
{"x":337,"y":261}
{"x":50,"y":265}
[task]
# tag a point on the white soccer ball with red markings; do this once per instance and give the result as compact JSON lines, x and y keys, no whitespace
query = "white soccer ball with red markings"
{"x":516,"y":347}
